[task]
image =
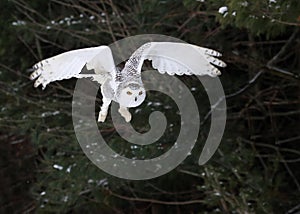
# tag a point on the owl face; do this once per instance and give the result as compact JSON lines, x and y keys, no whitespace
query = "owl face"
{"x":131,"y":95}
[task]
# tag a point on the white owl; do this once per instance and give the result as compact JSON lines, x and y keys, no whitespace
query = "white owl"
{"x":125,"y":86}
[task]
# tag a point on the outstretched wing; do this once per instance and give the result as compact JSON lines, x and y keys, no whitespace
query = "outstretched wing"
{"x":177,"y":58}
{"x":70,"y":64}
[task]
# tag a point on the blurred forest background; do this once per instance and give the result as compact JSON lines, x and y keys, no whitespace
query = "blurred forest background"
{"x":256,"y":168}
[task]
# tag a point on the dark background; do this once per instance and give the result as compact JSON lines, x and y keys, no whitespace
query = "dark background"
{"x":256,"y":168}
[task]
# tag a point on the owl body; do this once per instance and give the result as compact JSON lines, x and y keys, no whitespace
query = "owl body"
{"x":126,"y":93}
{"x":125,"y":86}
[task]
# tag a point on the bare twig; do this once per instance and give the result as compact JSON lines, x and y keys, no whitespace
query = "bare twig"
{"x":154,"y":201}
{"x":271,"y":64}
{"x":229,"y":96}
{"x":278,"y":150}
{"x":294,"y":210}
{"x":287,"y":140}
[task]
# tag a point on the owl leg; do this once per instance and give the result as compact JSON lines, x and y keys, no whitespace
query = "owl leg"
{"x":125,"y":113}
{"x":104,"y":109}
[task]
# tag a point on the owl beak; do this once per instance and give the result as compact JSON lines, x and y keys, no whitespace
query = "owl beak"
{"x":135,"y":99}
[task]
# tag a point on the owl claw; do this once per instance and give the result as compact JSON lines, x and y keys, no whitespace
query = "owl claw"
{"x":125,"y":113}
{"x":101,"y":118}
{"x":127,"y":118}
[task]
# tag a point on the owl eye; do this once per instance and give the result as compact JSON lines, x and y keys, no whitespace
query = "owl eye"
{"x":129,"y":93}
{"x":140,"y":93}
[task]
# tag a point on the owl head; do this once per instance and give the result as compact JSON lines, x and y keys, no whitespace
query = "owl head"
{"x":131,"y":95}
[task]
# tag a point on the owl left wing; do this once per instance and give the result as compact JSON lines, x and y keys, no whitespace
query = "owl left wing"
{"x":178,"y":58}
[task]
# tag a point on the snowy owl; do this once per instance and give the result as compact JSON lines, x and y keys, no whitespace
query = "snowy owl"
{"x":125,"y":86}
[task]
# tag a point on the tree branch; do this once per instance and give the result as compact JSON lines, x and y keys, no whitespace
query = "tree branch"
{"x":148,"y":200}
{"x":271,"y":64}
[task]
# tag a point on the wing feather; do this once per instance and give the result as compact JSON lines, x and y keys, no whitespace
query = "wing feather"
{"x":181,"y":58}
{"x":71,"y":63}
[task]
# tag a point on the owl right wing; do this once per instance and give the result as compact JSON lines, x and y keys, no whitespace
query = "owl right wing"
{"x":177,"y":58}
{"x":71,"y":63}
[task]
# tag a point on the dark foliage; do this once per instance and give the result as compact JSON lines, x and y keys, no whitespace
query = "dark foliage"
{"x":256,"y":167}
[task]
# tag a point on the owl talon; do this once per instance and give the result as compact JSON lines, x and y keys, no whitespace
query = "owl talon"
{"x":125,"y":113}
{"x":102,"y":117}
{"x":127,"y":118}
{"x":103,"y":109}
